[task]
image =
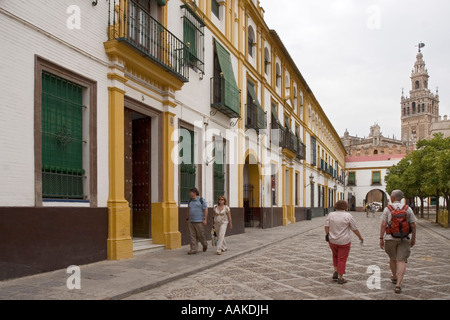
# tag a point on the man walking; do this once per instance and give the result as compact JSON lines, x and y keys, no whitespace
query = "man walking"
{"x":197,"y":220}
{"x":398,"y":222}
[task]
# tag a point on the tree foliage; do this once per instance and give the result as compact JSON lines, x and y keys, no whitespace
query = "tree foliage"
{"x":423,"y":172}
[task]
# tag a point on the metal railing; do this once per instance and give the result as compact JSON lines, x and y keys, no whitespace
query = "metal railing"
{"x":256,"y":117}
{"x":225,"y":97}
{"x":131,"y":23}
{"x":291,"y":142}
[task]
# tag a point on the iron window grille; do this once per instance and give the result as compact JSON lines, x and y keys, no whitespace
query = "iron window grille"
{"x":188,"y":169}
{"x":62,"y":139}
{"x":194,"y":38}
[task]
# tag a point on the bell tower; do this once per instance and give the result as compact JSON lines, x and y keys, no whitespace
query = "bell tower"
{"x":421,"y":108}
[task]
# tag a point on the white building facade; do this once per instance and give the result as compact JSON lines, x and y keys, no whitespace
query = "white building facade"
{"x":366,"y":179}
{"x":116,"y":109}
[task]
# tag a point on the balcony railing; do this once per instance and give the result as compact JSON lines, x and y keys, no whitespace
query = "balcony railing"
{"x":291,"y":142}
{"x":288,"y":140}
{"x":131,"y":23}
{"x":225,"y":97}
{"x":256,"y":117}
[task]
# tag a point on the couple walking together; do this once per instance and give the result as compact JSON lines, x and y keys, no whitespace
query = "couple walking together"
{"x":398,"y":222}
{"x":198,"y":219}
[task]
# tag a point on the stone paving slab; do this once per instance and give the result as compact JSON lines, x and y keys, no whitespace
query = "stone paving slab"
{"x":284,"y":263}
{"x":118,"y":279}
{"x":300,"y":268}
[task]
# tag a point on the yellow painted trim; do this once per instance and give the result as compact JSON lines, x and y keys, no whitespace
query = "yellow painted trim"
{"x":165,"y":228}
{"x":119,"y":243}
{"x":254,"y":176}
{"x":139,"y":64}
{"x":291,"y":205}
{"x":289,"y":154}
{"x":115,"y":76}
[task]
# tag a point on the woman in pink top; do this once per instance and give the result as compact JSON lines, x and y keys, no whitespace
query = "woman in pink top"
{"x":337,"y":229}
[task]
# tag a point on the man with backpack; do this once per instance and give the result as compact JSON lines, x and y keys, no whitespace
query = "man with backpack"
{"x":197,"y":220}
{"x":398,"y":236}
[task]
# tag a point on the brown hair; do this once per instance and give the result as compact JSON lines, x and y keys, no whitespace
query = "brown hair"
{"x":341,"y":205}
{"x":222,"y":197}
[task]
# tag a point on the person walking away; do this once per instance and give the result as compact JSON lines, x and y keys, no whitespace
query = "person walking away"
{"x":197,"y":220}
{"x":222,"y":219}
{"x":337,"y":229}
{"x":398,"y":223}
{"x":367,"y":209}
{"x":373,"y":209}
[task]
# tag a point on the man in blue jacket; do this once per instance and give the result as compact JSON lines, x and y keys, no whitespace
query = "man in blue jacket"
{"x":197,"y":220}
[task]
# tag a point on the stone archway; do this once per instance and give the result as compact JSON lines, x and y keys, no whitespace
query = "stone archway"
{"x":251,"y":196}
{"x":378,"y":196}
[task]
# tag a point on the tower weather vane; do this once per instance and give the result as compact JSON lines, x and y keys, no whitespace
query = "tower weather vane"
{"x":421,"y":45}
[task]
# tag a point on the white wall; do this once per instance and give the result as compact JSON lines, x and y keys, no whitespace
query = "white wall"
{"x":40,"y":28}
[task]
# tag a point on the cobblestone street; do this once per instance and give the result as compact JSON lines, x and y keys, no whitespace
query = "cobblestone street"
{"x":301,"y":268}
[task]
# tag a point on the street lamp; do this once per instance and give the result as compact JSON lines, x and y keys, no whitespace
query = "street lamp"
{"x":311,"y":180}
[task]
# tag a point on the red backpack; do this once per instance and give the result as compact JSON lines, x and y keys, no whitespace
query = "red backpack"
{"x":399,"y":226}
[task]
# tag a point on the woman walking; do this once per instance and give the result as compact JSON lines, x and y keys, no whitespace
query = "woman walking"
{"x":337,"y":229}
{"x":222,"y":219}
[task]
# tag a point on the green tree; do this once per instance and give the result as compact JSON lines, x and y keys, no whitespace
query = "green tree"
{"x":437,"y":160}
{"x":423,"y":172}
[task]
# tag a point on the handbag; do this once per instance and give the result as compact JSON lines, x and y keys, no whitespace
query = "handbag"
{"x":214,"y":238}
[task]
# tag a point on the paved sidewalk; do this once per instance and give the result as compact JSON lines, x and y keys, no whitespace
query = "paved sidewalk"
{"x":120,"y":279}
{"x":436,"y":228}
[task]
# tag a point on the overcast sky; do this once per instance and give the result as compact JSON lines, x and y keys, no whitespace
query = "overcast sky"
{"x":357,"y":55}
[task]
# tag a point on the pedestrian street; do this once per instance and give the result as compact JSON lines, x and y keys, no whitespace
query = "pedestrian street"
{"x":300,"y":268}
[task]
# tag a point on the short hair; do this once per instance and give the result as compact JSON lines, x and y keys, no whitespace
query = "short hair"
{"x":195,"y":190}
{"x":341,"y":205}
{"x":397,"y":195}
{"x":222,"y":197}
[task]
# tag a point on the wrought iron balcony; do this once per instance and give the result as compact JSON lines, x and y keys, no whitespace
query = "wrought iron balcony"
{"x":225,"y":97}
{"x":256,"y":117}
{"x":132,"y":24}
{"x":292,"y":143}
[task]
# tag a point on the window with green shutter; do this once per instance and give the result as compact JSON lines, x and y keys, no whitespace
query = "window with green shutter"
{"x":225,"y":94}
{"x":215,"y":8}
{"x":313,"y":151}
{"x":62,"y":138}
{"x":193,"y":33}
{"x":376,"y":177}
{"x":188,"y":170}
{"x":352,"y":178}
{"x":256,"y":116}
{"x":219,"y":168}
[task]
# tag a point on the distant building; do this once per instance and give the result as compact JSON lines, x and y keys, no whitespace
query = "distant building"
{"x":366,"y":165}
{"x":420,"y":111}
{"x":369,"y":158}
{"x":365,"y":181}
{"x":440,"y":126}
{"x":374,"y":144}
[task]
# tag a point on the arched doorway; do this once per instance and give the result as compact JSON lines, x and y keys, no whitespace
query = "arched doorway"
{"x":251,"y":189}
{"x":378,"y":197}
